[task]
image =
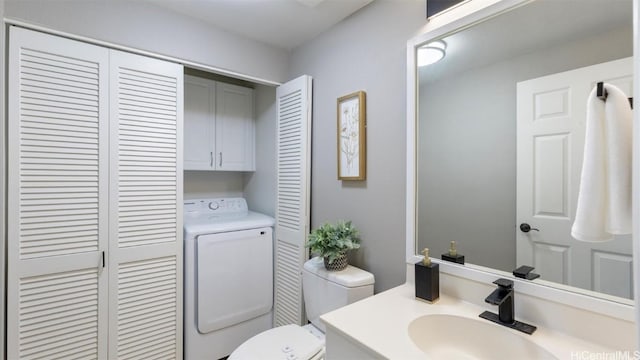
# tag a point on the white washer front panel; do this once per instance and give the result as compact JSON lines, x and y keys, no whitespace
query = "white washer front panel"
{"x":233,"y":284}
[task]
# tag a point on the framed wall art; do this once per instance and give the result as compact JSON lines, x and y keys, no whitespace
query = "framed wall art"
{"x":352,"y":136}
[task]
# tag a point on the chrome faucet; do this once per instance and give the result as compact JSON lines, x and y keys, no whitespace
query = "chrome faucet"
{"x":503,"y":297}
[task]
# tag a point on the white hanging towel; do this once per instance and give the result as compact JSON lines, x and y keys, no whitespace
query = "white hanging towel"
{"x":604,"y":198}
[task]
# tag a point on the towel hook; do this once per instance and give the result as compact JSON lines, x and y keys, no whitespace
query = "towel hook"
{"x":602,"y":94}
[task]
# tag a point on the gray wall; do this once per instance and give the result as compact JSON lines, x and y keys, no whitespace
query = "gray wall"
{"x":367,"y":51}
{"x":212,"y":184}
{"x":467,"y":148}
{"x":151,"y":28}
{"x":260,"y":186}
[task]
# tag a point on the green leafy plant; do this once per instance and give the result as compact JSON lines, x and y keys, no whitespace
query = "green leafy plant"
{"x":331,"y":241}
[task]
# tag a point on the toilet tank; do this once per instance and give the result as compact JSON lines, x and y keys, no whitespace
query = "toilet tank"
{"x":325,"y":290}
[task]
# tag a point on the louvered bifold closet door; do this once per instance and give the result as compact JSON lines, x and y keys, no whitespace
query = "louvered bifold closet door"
{"x":57,"y":193}
{"x":293,"y":147}
{"x":145,"y":305}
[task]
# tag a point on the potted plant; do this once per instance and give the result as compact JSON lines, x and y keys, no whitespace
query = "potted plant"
{"x":332,"y":241}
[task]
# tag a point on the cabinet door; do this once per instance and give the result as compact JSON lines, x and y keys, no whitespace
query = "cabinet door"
{"x":235,"y":128}
{"x":145,"y":258}
{"x":57,"y":193}
{"x":199,"y":123}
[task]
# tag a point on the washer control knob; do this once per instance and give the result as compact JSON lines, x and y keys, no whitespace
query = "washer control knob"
{"x":292,"y":356}
{"x":287,"y":349}
{"x":214,"y":205}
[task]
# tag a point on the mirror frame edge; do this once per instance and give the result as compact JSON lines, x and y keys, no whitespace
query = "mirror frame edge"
{"x":636,"y":170}
{"x":462,"y":17}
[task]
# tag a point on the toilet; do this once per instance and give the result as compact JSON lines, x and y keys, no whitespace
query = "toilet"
{"x":323,"y":291}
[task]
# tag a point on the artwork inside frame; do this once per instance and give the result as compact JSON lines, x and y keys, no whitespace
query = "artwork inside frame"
{"x":352,"y":136}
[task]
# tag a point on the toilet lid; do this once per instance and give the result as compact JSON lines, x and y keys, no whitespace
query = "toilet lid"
{"x":289,"y":342}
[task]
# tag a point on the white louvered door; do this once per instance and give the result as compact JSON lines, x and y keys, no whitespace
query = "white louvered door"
{"x":94,"y":191}
{"x":293,"y":147}
{"x":57,"y":193}
{"x":145,"y":257}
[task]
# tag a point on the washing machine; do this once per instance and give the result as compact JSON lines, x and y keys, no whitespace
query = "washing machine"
{"x":228,"y":276}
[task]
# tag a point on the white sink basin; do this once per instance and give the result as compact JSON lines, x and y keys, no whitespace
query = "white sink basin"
{"x":456,"y":337}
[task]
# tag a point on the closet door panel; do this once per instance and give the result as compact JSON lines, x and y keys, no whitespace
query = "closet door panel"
{"x":59,"y":314}
{"x":293,"y":147}
{"x":57,"y":193}
{"x":146,"y":218}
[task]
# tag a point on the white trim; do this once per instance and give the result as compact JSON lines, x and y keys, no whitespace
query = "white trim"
{"x":191,"y":64}
{"x":540,"y":289}
{"x":411,"y":191}
{"x":636,"y":169}
{"x":3,"y":183}
{"x":445,"y":11}
{"x":463,"y":17}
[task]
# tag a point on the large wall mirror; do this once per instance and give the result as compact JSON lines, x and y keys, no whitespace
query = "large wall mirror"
{"x":500,"y":137}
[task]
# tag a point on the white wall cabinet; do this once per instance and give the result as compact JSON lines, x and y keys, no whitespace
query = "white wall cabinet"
{"x":199,"y":123}
{"x":219,"y":126}
{"x":95,"y":184}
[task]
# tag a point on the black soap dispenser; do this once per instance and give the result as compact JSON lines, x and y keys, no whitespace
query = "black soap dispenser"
{"x":427,"y":279}
{"x":453,"y":255}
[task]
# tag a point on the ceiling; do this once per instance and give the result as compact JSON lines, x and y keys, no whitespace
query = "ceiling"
{"x":282,"y":23}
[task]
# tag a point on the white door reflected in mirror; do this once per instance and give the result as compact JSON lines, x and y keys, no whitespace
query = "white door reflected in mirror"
{"x":551,"y":113}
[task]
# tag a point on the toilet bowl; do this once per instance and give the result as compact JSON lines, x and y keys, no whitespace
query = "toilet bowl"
{"x":288,"y":342}
{"x":324,"y":291}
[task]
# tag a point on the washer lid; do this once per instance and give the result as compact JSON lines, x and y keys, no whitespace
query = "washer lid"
{"x":289,"y":342}
{"x":213,"y":224}
{"x":349,"y":277}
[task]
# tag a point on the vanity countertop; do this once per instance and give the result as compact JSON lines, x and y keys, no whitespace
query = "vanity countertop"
{"x":380,"y":324}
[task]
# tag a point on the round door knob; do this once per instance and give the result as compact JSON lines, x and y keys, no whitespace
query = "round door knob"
{"x":524,"y":227}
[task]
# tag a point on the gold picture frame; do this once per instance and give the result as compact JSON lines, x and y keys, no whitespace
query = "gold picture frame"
{"x":352,"y":136}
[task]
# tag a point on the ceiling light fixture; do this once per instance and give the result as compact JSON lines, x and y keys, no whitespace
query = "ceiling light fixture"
{"x":431,"y":52}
